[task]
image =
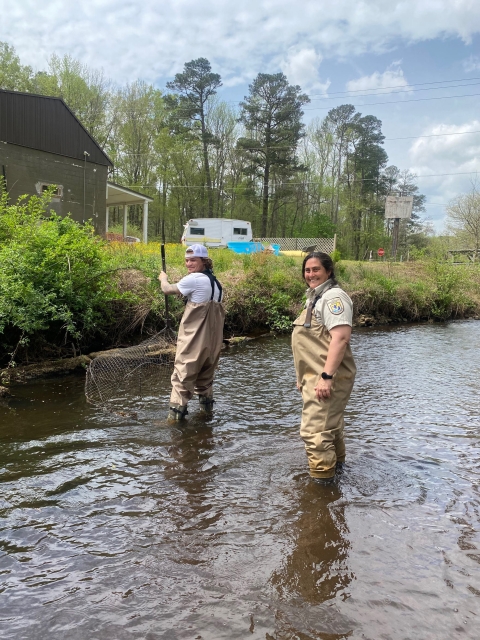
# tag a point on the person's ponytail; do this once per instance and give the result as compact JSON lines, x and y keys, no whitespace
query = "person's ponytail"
{"x":207,"y":264}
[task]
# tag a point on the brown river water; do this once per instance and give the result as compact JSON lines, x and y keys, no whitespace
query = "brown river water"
{"x":130,"y":529}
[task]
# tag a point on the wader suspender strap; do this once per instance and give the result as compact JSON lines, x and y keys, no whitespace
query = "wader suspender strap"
{"x":213,"y":282}
{"x":308,"y":318}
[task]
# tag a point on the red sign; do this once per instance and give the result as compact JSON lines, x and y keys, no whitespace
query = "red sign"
{"x":381,"y":252}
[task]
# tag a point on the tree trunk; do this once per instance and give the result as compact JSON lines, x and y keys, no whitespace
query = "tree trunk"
{"x":266,"y":179}
{"x":339,"y":169}
{"x":207,"y":168}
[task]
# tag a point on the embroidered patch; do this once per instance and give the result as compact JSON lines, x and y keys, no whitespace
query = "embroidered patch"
{"x":336,"y":306}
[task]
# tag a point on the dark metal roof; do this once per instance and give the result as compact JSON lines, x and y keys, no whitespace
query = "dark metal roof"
{"x":47,"y":124}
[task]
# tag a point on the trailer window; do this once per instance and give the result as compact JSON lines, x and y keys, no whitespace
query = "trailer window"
{"x":239,"y":232}
{"x":197,"y":231}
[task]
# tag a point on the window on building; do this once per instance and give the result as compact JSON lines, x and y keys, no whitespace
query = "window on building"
{"x":43,"y":186}
{"x":197,"y":231}
{"x":237,"y":231}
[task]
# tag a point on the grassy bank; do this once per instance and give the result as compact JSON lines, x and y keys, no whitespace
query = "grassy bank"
{"x":411,"y":291}
{"x":264,"y":291}
{"x":63,"y":291}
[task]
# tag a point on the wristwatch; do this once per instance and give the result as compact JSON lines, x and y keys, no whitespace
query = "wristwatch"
{"x":325,"y":376}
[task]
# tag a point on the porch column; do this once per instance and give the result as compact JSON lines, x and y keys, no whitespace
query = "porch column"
{"x":125,"y":214}
{"x":106,"y":220}
{"x":145,"y":221}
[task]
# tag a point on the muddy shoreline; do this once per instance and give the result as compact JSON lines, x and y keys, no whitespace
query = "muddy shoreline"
{"x":79,"y":364}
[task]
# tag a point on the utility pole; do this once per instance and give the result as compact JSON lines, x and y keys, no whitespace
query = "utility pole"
{"x":85,"y":154}
{"x":396,"y":227}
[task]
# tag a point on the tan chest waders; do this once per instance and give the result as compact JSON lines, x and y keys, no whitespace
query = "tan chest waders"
{"x":322,"y":422}
{"x":199,"y":343}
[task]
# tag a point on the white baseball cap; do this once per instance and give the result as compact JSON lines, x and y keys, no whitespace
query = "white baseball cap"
{"x":196,"y":251}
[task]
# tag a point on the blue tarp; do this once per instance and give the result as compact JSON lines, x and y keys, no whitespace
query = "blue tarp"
{"x":251,"y":247}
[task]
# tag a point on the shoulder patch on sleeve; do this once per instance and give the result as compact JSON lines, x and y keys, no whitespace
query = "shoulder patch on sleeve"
{"x":335,"y":306}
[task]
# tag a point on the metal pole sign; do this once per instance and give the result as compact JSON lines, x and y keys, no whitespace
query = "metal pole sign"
{"x":398,"y":207}
{"x":381,"y":252}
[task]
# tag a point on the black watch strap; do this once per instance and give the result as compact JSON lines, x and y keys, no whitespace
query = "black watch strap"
{"x":325,"y":376}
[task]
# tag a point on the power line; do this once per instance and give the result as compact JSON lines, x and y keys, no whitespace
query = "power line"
{"x":431,"y":135}
{"x":288,"y":184}
{"x":368,"y":104}
{"x":435,"y":135}
{"x":406,"y":89}
{"x":345,"y":95}
{"x":371,"y":104}
{"x":340,"y":94}
{"x":397,"y":86}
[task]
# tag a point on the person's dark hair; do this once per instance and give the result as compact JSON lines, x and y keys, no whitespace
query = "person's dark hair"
{"x":325,"y":261}
{"x":208,"y":264}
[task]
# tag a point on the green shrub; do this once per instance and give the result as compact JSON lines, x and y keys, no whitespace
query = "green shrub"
{"x":335,"y":256}
{"x":268,"y":296}
{"x":52,"y":274}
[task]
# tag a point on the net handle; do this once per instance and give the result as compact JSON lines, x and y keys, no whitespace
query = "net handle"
{"x":164,"y":268}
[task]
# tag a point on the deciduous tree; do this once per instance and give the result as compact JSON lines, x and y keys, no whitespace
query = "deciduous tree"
{"x":13,"y":75}
{"x":463,"y":215}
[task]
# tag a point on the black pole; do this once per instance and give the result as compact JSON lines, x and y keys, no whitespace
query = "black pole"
{"x":396,"y":227}
{"x":164,"y":268}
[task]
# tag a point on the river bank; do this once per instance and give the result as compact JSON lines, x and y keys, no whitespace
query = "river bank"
{"x":262,"y":293}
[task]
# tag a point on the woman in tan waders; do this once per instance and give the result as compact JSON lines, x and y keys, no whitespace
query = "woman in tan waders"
{"x":324,"y":366}
{"x":200,"y":335}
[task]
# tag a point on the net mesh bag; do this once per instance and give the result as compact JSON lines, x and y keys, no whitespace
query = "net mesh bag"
{"x":121,"y":380}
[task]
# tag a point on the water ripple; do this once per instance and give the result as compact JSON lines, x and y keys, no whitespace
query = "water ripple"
{"x":131,"y":528}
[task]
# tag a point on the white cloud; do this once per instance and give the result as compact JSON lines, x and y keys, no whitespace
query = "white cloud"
{"x":152,"y":39}
{"x":471,"y":64}
{"x":302,"y":67}
{"x":446,"y":154}
{"x":392,"y":78}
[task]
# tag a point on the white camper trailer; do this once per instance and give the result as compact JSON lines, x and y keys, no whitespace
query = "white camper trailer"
{"x":216,"y":232}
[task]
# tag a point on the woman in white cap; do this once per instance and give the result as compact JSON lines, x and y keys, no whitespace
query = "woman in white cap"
{"x":200,"y":334}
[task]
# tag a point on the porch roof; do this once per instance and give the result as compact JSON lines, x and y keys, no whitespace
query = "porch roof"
{"x":118,"y":195}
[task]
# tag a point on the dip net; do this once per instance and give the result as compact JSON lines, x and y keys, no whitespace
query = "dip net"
{"x":124,"y":381}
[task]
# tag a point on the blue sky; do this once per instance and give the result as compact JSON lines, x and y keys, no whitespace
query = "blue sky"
{"x":327,"y":48}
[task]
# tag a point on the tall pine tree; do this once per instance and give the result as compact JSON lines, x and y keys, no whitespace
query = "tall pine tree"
{"x":272,"y":115}
{"x":195,"y":86}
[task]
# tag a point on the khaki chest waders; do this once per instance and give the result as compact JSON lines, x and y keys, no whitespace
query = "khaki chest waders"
{"x":200,"y":338}
{"x":322,"y":426}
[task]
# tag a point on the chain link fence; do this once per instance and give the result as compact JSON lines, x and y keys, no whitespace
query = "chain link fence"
{"x":327,"y":245}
